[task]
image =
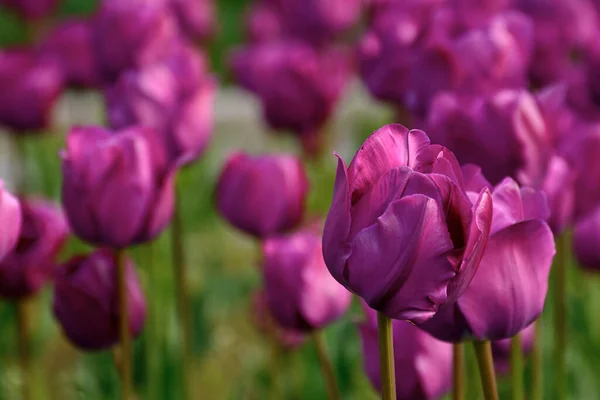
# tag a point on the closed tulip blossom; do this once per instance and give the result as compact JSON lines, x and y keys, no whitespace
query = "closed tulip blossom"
{"x":10,"y":220}
{"x":174,"y":97}
{"x":287,"y":338}
{"x":300,"y":292}
{"x":125,"y":196}
{"x":509,"y":289}
{"x":401,"y":189}
{"x":33,"y":260}
{"x":31,"y":85}
{"x":501,"y":349}
{"x":196,"y":19}
{"x":423,"y":363}
{"x":85,"y":300}
{"x":297,"y":85}
{"x":262,"y":195}
{"x":31,"y":9}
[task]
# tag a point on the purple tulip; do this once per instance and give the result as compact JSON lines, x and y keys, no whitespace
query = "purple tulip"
{"x":175,"y":98}
{"x":501,"y":349}
{"x":423,"y":363}
{"x":583,"y":94}
{"x":262,"y":195}
{"x":125,"y":196}
{"x":301,"y":294}
{"x":586,"y":235}
{"x":298,"y":86}
{"x":197,"y":18}
{"x":31,"y":9}
{"x":263,"y":22}
{"x":69,"y":44}
{"x":130,"y":34}
{"x":85,"y":300}
{"x":400,"y":189}
{"x":288,"y":338}
{"x":10,"y":218}
{"x":32,"y":262}
{"x":509,"y":289}
{"x":30,"y":86}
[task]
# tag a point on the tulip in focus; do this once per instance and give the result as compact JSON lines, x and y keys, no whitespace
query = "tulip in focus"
{"x":501,"y":349}
{"x":32,"y":262}
{"x":117,"y":187}
{"x":84,"y":300}
{"x":401,"y":189}
{"x":262,"y":195}
{"x":10,"y":220}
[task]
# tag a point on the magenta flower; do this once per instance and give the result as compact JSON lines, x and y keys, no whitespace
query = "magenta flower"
{"x":85,"y":300}
{"x":509,"y":289}
{"x":298,"y":86}
{"x":263,"y":22}
{"x":287,"y":338}
{"x":197,"y":19}
{"x":31,"y":86}
{"x":31,"y":9}
{"x":10,"y":218}
{"x":262,"y":195}
{"x":583,"y":94}
{"x":301,"y":294}
{"x":69,"y":44}
{"x":125,"y":196}
{"x":32,"y":263}
{"x":423,"y":363}
{"x":585,"y":240}
{"x":400,"y":189}
{"x":501,"y":349}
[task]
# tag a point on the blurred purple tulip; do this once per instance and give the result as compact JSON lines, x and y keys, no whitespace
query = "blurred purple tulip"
{"x":131,"y":34}
{"x":288,"y":338}
{"x":583,"y":94}
{"x":32,"y":263}
{"x":263,"y":22}
{"x":32,"y":9}
{"x":423,"y":363}
{"x":197,"y":18}
{"x":301,"y":294}
{"x":262,"y":195}
{"x":400,"y":189}
{"x":85,"y":300}
{"x":30,"y":86}
{"x":501,"y":349}
{"x":298,"y":86}
{"x":123,"y":197}
{"x":509,"y":289}
{"x":175,"y":98}
{"x":69,"y":44}
{"x":586,"y":236}
{"x":11,"y":219}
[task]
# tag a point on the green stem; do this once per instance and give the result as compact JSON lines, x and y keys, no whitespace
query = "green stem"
{"x":326,"y":366}
{"x":386,"y":357}
{"x":483,"y":350}
{"x":458,"y":388}
{"x":125,"y":369}
{"x":537,"y":389}
{"x":23,"y":340}
{"x":153,"y":340}
{"x":516,"y":367}
{"x":181,"y":290}
{"x":560,"y":309}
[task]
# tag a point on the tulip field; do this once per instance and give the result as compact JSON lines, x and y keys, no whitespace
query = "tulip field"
{"x":299,"y":199}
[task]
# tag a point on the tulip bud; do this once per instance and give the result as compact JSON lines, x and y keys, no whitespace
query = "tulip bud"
{"x":30,"y":87}
{"x":400,"y":189}
{"x":10,"y":220}
{"x":31,"y":9}
{"x":509,"y":289}
{"x":85,"y":300}
{"x":501,"y":349}
{"x":262,"y":195}
{"x":301,"y":293}
{"x":423,"y":363}
{"x":197,"y":19}
{"x":263,"y":319}
{"x":33,"y":260}
{"x":125,"y":196}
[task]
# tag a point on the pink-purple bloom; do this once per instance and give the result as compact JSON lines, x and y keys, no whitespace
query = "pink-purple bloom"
{"x":85,"y":300}
{"x":10,"y":220}
{"x":401,"y":189}
{"x":197,"y":19}
{"x":586,"y":235}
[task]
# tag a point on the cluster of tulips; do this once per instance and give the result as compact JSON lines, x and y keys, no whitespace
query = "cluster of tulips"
{"x":445,"y":235}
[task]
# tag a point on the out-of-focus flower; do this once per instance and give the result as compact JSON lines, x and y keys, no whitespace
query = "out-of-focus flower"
{"x":509,"y":289}
{"x":263,"y":22}
{"x":10,"y":219}
{"x":400,"y":189}
{"x":69,"y":44}
{"x":33,"y":260}
{"x":423,"y":363}
{"x":586,"y":235}
{"x":298,"y":86}
{"x":197,"y":18}
{"x":117,"y":188}
{"x":300,"y":291}
{"x":264,"y":320}
{"x":262,"y":195}
{"x":85,"y":300}
{"x":501,"y":349}
{"x":30,"y":86}
{"x":583,"y":94}
{"x":31,"y":9}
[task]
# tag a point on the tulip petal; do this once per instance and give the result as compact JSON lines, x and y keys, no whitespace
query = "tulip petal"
{"x":474,"y":179}
{"x":10,"y":221}
{"x":586,"y":237}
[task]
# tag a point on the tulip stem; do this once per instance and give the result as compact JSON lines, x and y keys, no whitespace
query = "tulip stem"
{"x":153,"y":339}
{"x":537,"y":389}
{"x":326,"y":366}
{"x":516,"y":367}
{"x":458,"y":357}
{"x":483,"y":351}
{"x":386,"y":357}
{"x":560,"y":309}
{"x":23,"y":338}
{"x":125,"y":353}
{"x":182,"y":293}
